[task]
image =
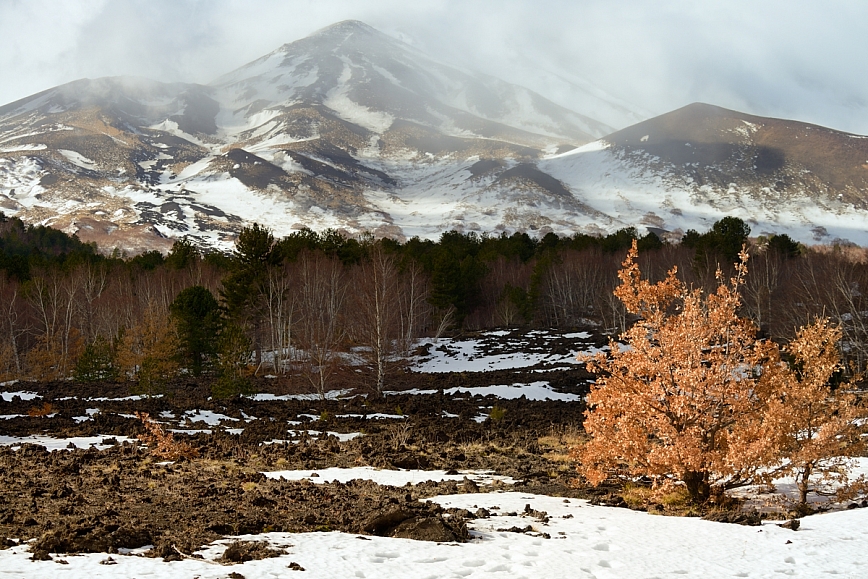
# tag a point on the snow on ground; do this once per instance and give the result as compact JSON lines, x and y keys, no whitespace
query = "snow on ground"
{"x":784,"y":489}
{"x":78,"y":159}
{"x":8,"y":396}
{"x":533,"y":391}
{"x":586,"y":542}
{"x":208,"y":417}
{"x":498,"y":351}
{"x":629,"y":193}
{"x":294,"y":436}
{"x":373,"y":416}
{"x":24,"y":147}
{"x":89,"y":413}
{"x":134,"y":398}
{"x":330,"y":395}
{"x":52,"y":443}
{"x":396,"y":478}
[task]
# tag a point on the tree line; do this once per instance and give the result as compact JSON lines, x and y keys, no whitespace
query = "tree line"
{"x":303,"y":304}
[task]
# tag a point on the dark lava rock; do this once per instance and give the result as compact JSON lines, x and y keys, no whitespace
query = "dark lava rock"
{"x":93,"y":539}
{"x":749,"y":518}
{"x":410,"y":462}
{"x":241,"y":551}
{"x":425,"y":529}
{"x":514,"y":529}
{"x":166,"y":552}
{"x":386,"y":520}
{"x":40,"y":555}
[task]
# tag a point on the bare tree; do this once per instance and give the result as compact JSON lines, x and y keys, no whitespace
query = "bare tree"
{"x":91,"y":278}
{"x":413,"y":305}
{"x":322,"y":290}
{"x":281,"y":305}
{"x":12,"y":328}
{"x":761,"y":283}
{"x":375,"y":310}
{"x":52,"y":296}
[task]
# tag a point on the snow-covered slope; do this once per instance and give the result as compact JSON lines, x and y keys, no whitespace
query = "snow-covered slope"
{"x":691,"y":167}
{"x":371,"y":80}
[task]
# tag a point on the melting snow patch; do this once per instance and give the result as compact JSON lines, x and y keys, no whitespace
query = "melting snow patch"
{"x":133,"y":398}
{"x":500,"y":350}
{"x":395,"y":478}
{"x":88,"y":415}
{"x":330,"y":395}
{"x":208,"y":417}
{"x":296,"y":434}
{"x":532,"y":391}
{"x":52,"y":443}
{"x":373,"y":416}
{"x":8,"y":396}
{"x":412,"y":391}
{"x":78,"y":159}
{"x":190,"y":431}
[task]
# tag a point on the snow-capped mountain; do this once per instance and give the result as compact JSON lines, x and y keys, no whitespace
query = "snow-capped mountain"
{"x":352,"y":129}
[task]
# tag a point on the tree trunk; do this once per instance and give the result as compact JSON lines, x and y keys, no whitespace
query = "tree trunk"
{"x":697,"y":486}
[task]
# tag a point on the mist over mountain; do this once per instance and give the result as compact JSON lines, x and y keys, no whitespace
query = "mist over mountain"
{"x":352,"y":129}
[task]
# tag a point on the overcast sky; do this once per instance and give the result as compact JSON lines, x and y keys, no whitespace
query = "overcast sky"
{"x":801,"y":59}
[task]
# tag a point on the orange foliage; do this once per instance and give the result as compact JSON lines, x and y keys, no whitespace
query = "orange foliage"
{"x":149,"y":351}
{"x":162,"y":443}
{"x":816,"y":428}
{"x":695,"y":397}
{"x":41,"y":411}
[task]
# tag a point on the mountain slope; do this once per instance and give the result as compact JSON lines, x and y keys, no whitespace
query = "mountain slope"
{"x":371,"y":79}
{"x":309,"y":135}
{"x":690,"y":167}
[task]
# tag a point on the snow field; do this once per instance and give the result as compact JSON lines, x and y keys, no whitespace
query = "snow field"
{"x":586,"y":542}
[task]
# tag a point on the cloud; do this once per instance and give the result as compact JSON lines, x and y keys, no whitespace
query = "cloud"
{"x":795,"y":60}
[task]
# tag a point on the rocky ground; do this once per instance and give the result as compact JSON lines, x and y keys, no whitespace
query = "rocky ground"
{"x":129,"y":495}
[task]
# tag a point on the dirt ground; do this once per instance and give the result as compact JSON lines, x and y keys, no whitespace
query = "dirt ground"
{"x":126,"y":496}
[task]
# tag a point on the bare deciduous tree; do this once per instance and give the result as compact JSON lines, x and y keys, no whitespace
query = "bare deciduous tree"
{"x":321,"y":330}
{"x":375,"y":310}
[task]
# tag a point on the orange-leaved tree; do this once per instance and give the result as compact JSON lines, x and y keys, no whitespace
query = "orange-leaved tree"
{"x":816,"y":428}
{"x":694,"y":395}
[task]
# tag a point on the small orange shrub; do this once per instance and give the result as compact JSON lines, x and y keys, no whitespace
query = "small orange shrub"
{"x":162,"y":443}
{"x":41,"y":411}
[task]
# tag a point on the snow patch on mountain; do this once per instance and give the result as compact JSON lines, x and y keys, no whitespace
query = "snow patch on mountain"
{"x":637,"y":191}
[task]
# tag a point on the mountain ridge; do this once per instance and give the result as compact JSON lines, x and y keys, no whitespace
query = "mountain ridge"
{"x":354,"y":130}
